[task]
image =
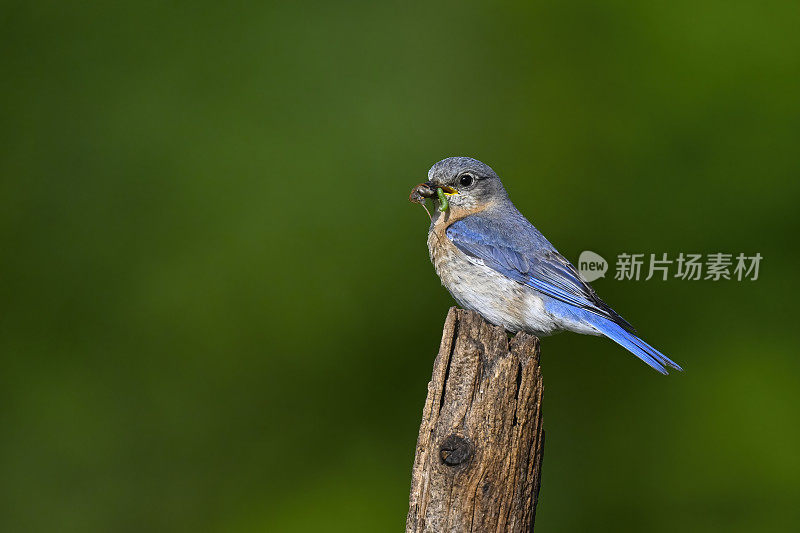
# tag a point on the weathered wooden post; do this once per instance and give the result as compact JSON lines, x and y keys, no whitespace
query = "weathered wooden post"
{"x":479,"y":452}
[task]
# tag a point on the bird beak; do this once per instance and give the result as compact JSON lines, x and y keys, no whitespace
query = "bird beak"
{"x":449,"y":191}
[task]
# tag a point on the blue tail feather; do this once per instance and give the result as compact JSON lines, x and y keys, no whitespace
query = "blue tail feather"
{"x":635,"y":345}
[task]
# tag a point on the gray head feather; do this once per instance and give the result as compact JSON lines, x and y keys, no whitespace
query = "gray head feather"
{"x":475,"y":182}
{"x":448,"y":169}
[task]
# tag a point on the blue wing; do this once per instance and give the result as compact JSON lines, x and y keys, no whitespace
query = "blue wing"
{"x":520,"y":252}
{"x":534,"y":263}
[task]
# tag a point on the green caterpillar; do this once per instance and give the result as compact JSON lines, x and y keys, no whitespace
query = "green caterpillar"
{"x":443,"y":203}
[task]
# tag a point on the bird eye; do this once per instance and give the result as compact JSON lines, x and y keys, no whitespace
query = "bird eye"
{"x":466,"y":180}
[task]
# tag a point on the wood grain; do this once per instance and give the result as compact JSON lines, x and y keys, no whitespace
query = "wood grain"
{"x":479,"y":452}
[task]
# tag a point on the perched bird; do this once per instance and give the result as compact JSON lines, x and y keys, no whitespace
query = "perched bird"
{"x":493,"y":261}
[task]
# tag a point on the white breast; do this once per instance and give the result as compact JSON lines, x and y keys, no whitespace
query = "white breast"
{"x":475,"y":286}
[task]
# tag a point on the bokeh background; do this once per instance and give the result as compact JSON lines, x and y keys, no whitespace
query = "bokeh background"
{"x":217,"y":312}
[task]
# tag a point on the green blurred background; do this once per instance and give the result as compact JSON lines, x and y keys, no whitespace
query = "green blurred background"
{"x":218,"y":313}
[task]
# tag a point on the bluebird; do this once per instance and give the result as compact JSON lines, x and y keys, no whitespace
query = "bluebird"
{"x":493,"y":261}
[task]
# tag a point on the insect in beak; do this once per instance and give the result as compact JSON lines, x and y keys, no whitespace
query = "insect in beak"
{"x":444,"y":205}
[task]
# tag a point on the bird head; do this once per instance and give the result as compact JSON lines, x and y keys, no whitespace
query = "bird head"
{"x":467,"y":183}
